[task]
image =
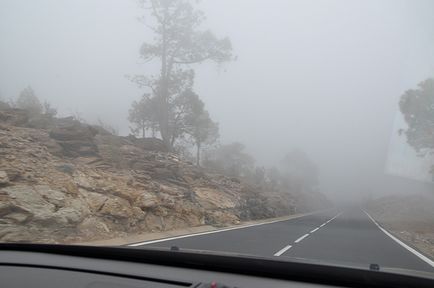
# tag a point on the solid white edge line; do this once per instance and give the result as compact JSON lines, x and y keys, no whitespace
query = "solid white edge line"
{"x":314,"y":230}
{"x":281,"y":251}
{"x":412,"y":250}
{"x":301,"y":238}
{"x":216,"y":231}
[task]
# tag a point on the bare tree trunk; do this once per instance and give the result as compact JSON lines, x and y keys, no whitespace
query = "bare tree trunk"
{"x":164,"y":92}
{"x":198,"y":154}
{"x":143,"y":129}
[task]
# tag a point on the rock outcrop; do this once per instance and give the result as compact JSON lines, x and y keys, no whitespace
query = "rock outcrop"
{"x":69,"y":182}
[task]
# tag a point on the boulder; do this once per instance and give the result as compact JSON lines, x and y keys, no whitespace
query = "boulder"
{"x":149,"y":144}
{"x":146,"y":201}
{"x":94,"y":200}
{"x":67,"y":129}
{"x":154,"y":222}
{"x":66,"y":168}
{"x":14,"y":116}
{"x":221,"y":218}
{"x":40,"y":205}
{"x":117,"y":208}
{"x":4,"y":179}
{"x":70,"y":215}
{"x":52,"y":196}
{"x":24,"y":198}
{"x":40,"y":121}
{"x":75,"y":138}
{"x":94,"y":227}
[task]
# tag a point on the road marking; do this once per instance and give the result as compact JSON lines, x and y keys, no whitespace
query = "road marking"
{"x":217,"y":231}
{"x":412,"y":250}
{"x":301,"y":238}
{"x":280,"y":252}
{"x":328,"y":221}
{"x":286,"y":248}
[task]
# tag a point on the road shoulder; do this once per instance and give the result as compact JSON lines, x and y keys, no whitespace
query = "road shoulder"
{"x":408,"y":246}
{"x":191,"y":231}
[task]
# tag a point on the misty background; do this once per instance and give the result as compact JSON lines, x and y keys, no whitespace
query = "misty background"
{"x":324,"y":76}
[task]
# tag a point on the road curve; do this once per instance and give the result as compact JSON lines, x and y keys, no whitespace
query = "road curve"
{"x":338,"y":235}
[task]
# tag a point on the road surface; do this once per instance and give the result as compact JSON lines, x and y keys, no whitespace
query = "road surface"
{"x":346,"y":235}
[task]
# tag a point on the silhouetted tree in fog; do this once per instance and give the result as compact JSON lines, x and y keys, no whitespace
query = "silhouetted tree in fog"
{"x":417,"y":106}
{"x":27,"y":100}
{"x":230,"y":159}
{"x":178,"y":43}
{"x":200,"y":127}
{"x":143,"y":115}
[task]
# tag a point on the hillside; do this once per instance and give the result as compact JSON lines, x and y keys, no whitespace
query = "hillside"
{"x":65,"y":181}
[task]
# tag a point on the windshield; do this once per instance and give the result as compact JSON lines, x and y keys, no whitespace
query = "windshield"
{"x":281,"y":129}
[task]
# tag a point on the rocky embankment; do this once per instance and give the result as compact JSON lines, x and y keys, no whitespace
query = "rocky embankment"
{"x":64,"y":181}
{"x":410,"y":218}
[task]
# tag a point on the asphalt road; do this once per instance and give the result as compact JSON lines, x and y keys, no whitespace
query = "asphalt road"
{"x":338,"y":235}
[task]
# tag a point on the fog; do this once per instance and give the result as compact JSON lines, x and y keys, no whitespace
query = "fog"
{"x":323,"y":76}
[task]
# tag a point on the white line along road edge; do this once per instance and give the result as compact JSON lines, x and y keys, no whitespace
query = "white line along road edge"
{"x":418,"y":254}
{"x":219,"y":230}
{"x":280,"y":252}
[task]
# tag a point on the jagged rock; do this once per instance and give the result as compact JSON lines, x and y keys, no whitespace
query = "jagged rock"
{"x":146,"y":201}
{"x":154,"y":222}
{"x":220,"y":218}
{"x":42,"y":137}
{"x":13,"y":233}
{"x":94,"y":200}
{"x":214,"y":199}
{"x":82,"y":181}
{"x":75,"y":138}
{"x":150,"y":144}
{"x":124,"y":186}
{"x":40,"y":205}
{"x":14,"y":116}
{"x":66,"y":168}
{"x":52,"y":196}
{"x":93,"y":226}
{"x":70,"y":215}
{"x":117,"y":207}
{"x":16,"y":217}
{"x":24,"y":198}
{"x":41,"y":121}
{"x":69,"y":129}
{"x":4,"y":179}
{"x":12,"y":173}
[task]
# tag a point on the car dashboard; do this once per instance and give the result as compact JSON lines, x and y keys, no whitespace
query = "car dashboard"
{"x":82,"y":266}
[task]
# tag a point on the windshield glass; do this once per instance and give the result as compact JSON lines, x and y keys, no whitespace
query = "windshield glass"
{"x":279,"y":129}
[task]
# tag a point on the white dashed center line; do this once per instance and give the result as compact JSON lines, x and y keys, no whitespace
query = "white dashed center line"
{"x":286,"y":248}
{"x":301,"y":238}
{"x":280,"y":252}
{"x":314,"y":230}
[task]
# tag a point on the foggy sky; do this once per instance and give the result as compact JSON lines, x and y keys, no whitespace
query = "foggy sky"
{"x":323,"y":76}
